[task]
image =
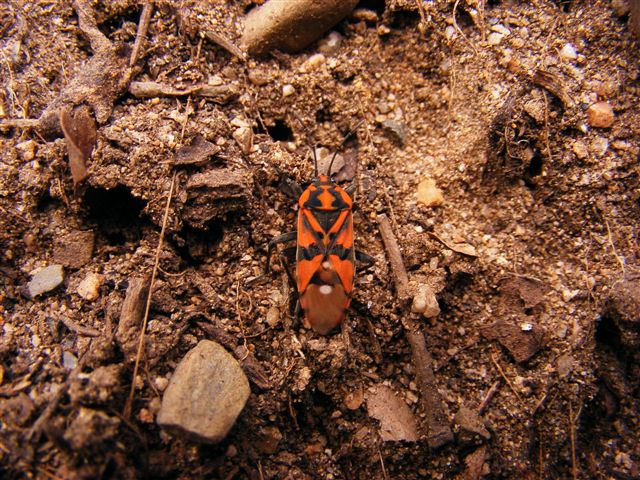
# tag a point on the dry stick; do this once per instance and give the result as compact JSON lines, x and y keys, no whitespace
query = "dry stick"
{"x":488,"y":397}
{"x":395,"y":258}
{"x":143,"y":26}
{"x":572,"y":437}
{"x":506,"y":379}
{"x":79,"y":329}
{"x":225,"y":43}
{"x":438,"y":423}
{"x":384,"y":470}
{"x":127,"y":407}
{"x":615,"y":253}
{"x":455,"y":25}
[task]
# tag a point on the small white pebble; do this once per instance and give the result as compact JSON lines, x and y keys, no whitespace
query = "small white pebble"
{"x":288,"y":90}
{"x":494,"y":38}
{"x":501,"y":29}
{"x":568,"y":52}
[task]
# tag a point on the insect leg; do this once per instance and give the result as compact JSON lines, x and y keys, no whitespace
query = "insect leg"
{"x":287,"y":258}
{"x":286,"y":237}
{"x":367,"y":260}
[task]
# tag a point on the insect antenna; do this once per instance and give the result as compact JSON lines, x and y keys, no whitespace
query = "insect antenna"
{"x":315,"y":162}
{"x":344,"y":140}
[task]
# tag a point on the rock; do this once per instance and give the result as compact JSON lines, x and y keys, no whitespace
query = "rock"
{"x":291,"y":26}
{"x":429,"y":194}
{"x":580,"y":149}
{"x":598,"y":146}
{"x":501,"y":29}
{"x":69,"y":360}
{"x":397,"y":423}
{"x":89,"y":287}
{"x":244,"y":138}
{"x":91,"y":428}
{"x":494,"y":38}
{"x":27,"y":150}
{"x":75,"y":249}
{"x":288,"y":90}
{"x":268,"y":440}
{"x":206,"y":393}
{"x":623,"y":308}
{"x":330,"y":44}
{"x":354,"y":398}
{"x":425,"y":302}
{"x":470,"y":429}
{"x":568,"y":52}
{"x":395,"y":130}
{"x":214,"y":193}
{"x":600,"y":115}
{"x":314,"y":62}
{"x":259,"y":77}
{"x":523,"y":341}
{"x":273,"y":316}
{"x":44,"y":280}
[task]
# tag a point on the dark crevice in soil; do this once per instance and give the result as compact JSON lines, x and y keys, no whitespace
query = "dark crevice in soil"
{"x":196,"y":245}
{"x":116,"y":212}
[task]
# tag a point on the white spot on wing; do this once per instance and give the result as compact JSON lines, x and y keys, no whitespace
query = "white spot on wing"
{"x":325,"y":289}
{"x":326,"y":265}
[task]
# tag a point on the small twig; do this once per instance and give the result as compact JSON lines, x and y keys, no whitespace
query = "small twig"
{"x":292,"y":412}
{"x":506,"y":379}
{"x":186,"y":119}
{"x":384,"y":470}
{"x":225,"y":43}
{"x":543,"y":53}
{"x":613,"y":247}
{"x":489,"y":396}
{"x":79,"y":329}
{"x":546,"y":128}
{"x":540,"y":459}
{"x":455,"y":25}
{"x":395,"y":258}
{"x":128,"y":404}
{"x":572,"y":438}
{"x":19,"y":123}
{"x":143,"y":26}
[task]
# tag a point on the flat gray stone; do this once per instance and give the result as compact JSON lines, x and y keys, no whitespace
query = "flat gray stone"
{"x":44,"y":281}
{"x":207,"y":392}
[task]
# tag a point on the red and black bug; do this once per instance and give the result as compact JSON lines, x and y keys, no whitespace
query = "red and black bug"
{"x":324,"y":254}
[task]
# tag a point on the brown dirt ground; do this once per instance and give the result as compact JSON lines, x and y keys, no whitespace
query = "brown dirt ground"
{"x":542,"y":197}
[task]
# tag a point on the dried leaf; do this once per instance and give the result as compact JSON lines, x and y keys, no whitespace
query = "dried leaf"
{"x":396,"y":420}
{"x":80,"y":134}
{"x":464,"y":248}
